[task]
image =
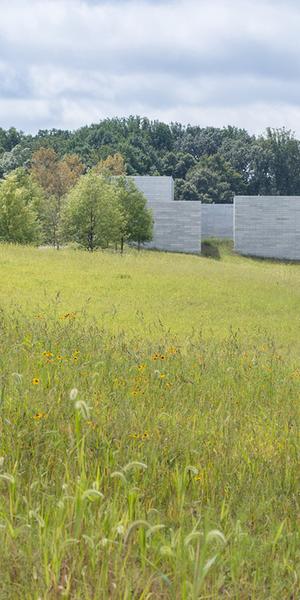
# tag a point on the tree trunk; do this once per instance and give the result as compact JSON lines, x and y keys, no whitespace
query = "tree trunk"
{"x":122,"y":245}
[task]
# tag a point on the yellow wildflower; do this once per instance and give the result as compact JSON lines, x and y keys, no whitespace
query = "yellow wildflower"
{"x":38,"y":416}
{"x":35,"y":381}
{"x":172,"y":351}
{"x":70,"y":315}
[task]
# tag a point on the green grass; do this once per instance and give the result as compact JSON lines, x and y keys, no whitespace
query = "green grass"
{"x":149,"y":431}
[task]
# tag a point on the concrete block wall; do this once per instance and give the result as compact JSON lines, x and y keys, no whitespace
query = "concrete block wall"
{"x":267,"y":226}
{"x":217,"y":221}
{"x":155,"y":188}
{"x":177,"y":226}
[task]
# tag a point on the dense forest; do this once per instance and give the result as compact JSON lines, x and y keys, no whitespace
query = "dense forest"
{"x":208,"y":164}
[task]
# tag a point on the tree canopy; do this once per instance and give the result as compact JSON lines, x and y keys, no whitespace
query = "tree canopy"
{"x":207,"y":163}
{"x":93,"y":216}
{"x":20,"y":203}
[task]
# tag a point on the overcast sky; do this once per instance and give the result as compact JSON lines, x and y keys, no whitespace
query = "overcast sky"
{"x":67,"y":63}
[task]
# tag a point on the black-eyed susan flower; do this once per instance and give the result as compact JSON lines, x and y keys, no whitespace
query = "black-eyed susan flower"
{"x":69,"y":315}
{"x":35,"y":381}
{"x":38,"y":416}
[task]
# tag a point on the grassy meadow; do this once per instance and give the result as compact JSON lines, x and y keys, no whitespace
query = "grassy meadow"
{"x":149,"y":426}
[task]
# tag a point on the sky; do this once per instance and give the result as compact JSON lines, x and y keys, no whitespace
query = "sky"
{"x":68,"y":63}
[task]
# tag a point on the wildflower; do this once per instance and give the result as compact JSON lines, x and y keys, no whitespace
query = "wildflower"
{"x":141,"y":367}
{"x":145,"y":435}
{"x":155,"y":356}
{"x":134,"y":436}
{"x":199,"y":476}
{"x":162,"y":357}
{"x":38,"y":416}
{"x":135,"y":392}
{"x":162,"y":376}
{"x":70,"y":315}
{"x":35,"y":381}
{"x":172,"y":351}
{"x":296,"y":374}
{"x":59,"y":357}
{"x":47,"y":354}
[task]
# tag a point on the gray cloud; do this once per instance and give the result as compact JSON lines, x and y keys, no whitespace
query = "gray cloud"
{"x":65,"y":63}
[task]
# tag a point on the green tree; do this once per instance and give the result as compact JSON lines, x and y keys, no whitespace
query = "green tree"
{"x":20,"y":202}
{"x":139,"y":223}
{"x":93,"y":215}
{"x":56,"y":177}
{"x":185,"y":190}
{"x":285,"y":162}
{"x":215,"y":180}
{"x":11,"y":160}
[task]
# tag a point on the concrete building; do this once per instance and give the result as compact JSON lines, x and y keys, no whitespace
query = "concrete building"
{"x":156,"y":187}
{"x":177,"y":225}
{"x":267,"y":226}
{"x":217,"y":221}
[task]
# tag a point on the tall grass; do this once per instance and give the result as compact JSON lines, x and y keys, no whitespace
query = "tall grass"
{"x":145,"y":467}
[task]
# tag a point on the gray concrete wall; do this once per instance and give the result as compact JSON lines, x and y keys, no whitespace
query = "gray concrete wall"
{"x":177,"y":226}
{"x":267,"y":226}
{"x":217,"y":221}
{"x":156,"y":187}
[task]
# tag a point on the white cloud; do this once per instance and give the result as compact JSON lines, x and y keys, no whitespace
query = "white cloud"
{"x":65,"y":63}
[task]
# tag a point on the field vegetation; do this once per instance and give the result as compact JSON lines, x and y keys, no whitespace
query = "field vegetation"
{"x":149,"y":426}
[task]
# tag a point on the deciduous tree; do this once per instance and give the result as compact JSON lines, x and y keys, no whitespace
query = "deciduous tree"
{"x":93,"y":216}
{"x":56,"y":177}
{"x":20,"y":202}
{"x":112,"y":165}
{"x":139,"y":222}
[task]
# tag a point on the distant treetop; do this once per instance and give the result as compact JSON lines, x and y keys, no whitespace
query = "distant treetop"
{"x":208,"y":163}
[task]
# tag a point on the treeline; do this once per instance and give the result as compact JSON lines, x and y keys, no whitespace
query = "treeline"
{"x":55,"y":200}
{"x":208,"y":164}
